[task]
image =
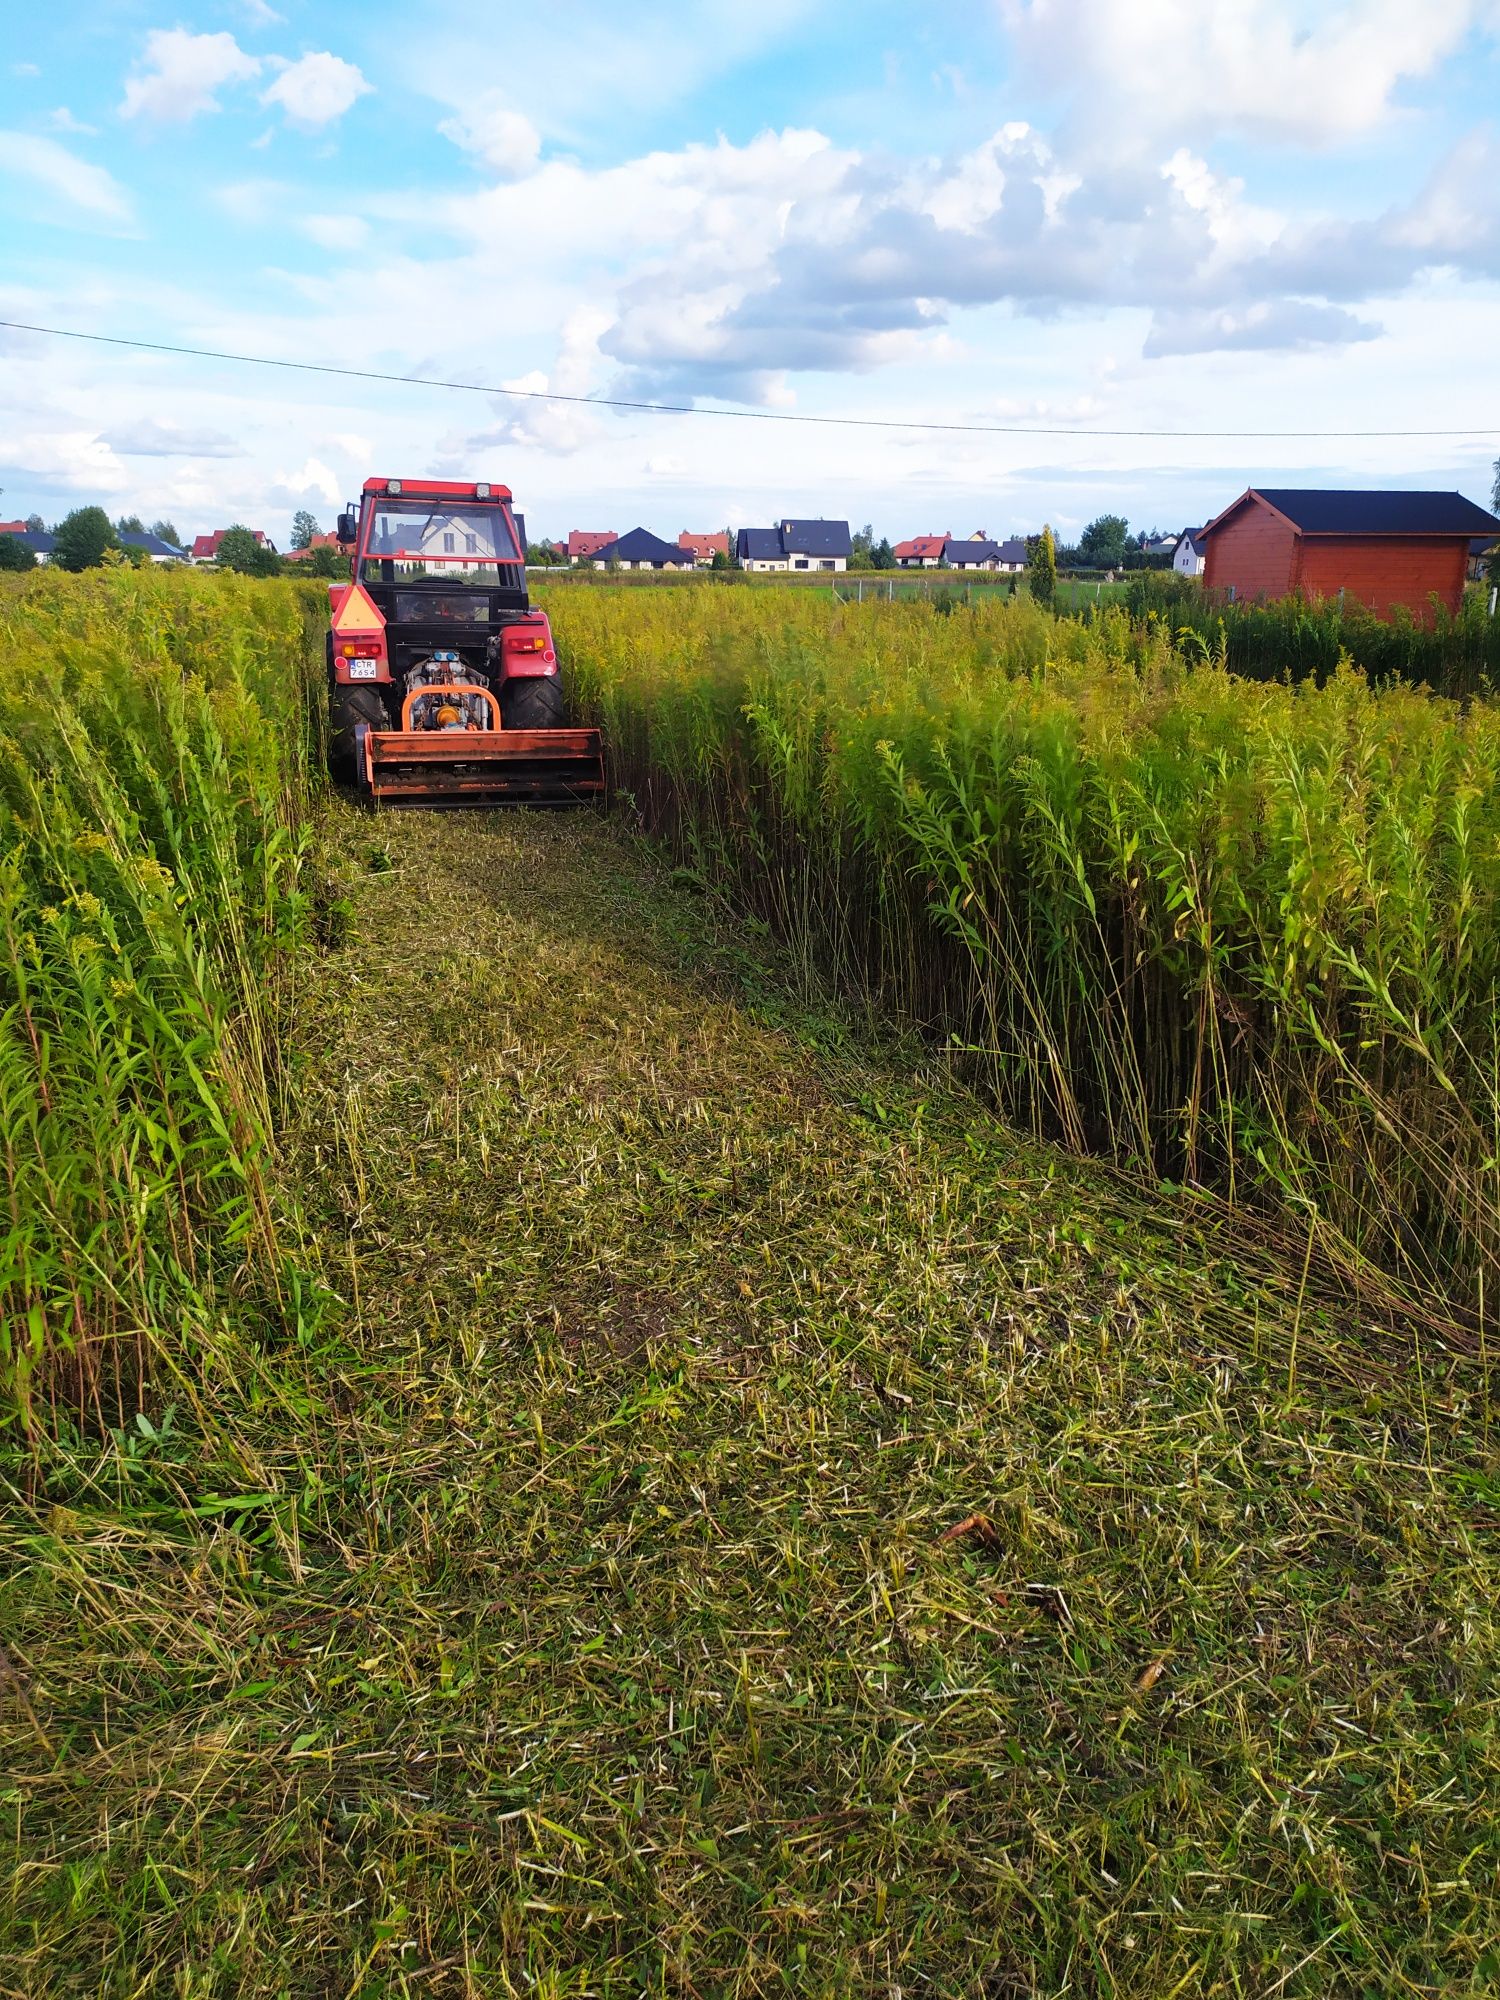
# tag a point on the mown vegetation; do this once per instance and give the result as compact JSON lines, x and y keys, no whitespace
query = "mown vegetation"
{"x":1244,"y":936}
{"x":583,"y":1471}
{"x":154,"y":788}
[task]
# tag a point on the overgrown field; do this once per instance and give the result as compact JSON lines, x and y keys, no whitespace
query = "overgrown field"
{"x":545,"y":1455}
{"x":1241,"y":935}
{"x":154,"y":765}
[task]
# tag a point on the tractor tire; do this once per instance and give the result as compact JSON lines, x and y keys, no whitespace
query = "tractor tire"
{"x":348,"y":707}
{"x":533,"y":702}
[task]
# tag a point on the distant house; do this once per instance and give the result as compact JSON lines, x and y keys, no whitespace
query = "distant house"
{"x":640,"y":549}
{"x":36,"y":539}
{"x":981,"y":553}
{"x":156,"y":549}
{"x":585,"y":542}
{"x":317,"y":542}
{"x":205,"y":548}
{"x":1160,"y":545}
{"x":1386,"y":550}
{"x":1192,"y":553}
{"x":970,"y":552}
{"x":816,"y":544}
{"x":703,"y":548}
{"x":921,"y":552}
{"x":796,"y":545}
{"x":760,"y":548}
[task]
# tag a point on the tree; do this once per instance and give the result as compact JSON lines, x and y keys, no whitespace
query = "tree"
{"x":165,"y":531}
{"x":14,"y":553}
{"x":719,"y":560}
{"x":861,"y":548}
{"x":304,"y":527}
{"x":1043,"y":567}
{"x":82,"y":538}
{"x":130,"y":524}
{"x":35,"y":525}
{"x":239,"y":550}
{"x":1103,"y":542}
{"x":324,"y":562}
{"x":882,"y":555}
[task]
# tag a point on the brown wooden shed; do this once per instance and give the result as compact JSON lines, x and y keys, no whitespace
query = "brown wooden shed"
{"x":1380,"y":549}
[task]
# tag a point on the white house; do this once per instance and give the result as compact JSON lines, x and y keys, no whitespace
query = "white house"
{"x":1191,"y":558}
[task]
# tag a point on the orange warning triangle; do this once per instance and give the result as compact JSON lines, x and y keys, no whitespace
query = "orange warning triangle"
{"x":357,"y":613}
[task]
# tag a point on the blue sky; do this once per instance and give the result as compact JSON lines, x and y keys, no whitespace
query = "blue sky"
{"x":1240,"y":214}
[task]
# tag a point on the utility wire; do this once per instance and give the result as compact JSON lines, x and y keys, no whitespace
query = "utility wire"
{"x":697,"y":410}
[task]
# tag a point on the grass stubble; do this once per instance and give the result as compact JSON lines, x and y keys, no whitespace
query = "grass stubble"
{"x":746,"y":1525}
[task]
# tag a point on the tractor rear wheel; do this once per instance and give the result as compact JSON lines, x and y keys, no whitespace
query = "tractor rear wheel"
{"x":532,"y":702}
{"x":347,"y":708}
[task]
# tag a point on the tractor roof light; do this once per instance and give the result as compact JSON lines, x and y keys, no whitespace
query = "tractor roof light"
{"x":482,"y":490}
{"x":393,"y":486}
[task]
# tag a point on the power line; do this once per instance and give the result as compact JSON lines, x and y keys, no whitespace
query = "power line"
{"x":738,"y":411}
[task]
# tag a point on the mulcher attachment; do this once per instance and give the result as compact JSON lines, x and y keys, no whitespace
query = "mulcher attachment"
{"x":464,"y":764}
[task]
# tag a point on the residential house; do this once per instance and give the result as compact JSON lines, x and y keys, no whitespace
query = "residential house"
{"x":978,"y":552}
{"x":640,"y":549}
{"x":796,"y":545}
{"x":36,"y":539}
{"x":816,"y":544}
{"x":1386,"y":550}
{"x":921,"y":552}
{"x":317,"y":542}
{"x":760,"y":549}
{"x":1192,"y":553}
{"x":156,"y":549}
{"x":205,"y":548}
{"x":1159,"y":545}
{"x":586,"y":542}
{"x":705,"y":547}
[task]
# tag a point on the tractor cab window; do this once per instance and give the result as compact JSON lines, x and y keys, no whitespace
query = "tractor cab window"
{"x":411,"y":541}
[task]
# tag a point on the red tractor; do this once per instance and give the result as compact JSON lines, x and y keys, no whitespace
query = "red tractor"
{"x":443,"y":682}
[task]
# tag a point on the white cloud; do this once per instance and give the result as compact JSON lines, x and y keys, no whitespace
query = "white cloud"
{"x":73,"y":461}
{"x":1287,"y":69}
{"x":152,"y":437}
{"x":24,"y":69}
{"x":62,"y":120}
{"x":64,"y":176}
{"x":335,"y":232}
{"x":259,"y":15}
{"x":181,"y":75}
{"x":316,"y":89}
{"x":312,"y":481}
{"x":504,"y":139}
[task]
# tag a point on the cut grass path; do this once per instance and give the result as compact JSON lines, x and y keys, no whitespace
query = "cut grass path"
{"x":590,"y":1607}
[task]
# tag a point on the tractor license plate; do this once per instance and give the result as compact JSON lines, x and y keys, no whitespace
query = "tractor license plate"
{"x":362,"y":670}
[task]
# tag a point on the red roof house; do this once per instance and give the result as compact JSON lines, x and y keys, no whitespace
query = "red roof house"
{"x":922,"y":551}
{"x":317,"y":542}
{"x":1381,"y":549}
{"x":585,"y":542}
{"x":705,"y":547}
{"x":206,"y":547}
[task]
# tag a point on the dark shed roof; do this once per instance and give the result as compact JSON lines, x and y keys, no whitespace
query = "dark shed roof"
{"x":759,"y":545}
{"x":816,"y":538}
{"x":640,"y":545}
{"x":1357,"y":511}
